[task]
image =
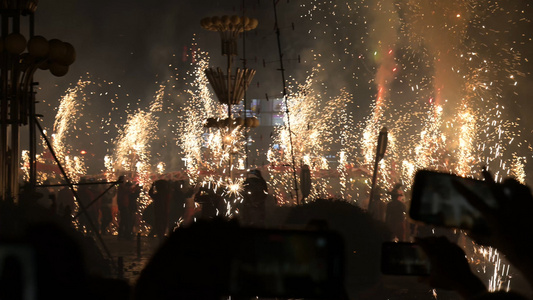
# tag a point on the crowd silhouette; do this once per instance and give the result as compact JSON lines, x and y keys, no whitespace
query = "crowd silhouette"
{"x":44,"y":257}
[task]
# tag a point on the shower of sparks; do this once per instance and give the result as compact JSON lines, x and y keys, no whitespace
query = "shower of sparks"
{"x":214,"y":157}
{"x":436,"y":74}
{"x":160,"y":168}
{"x":312,"y":139}
{"x":448,"y":62}
{"x":466,"y":142}
{"x":430,"y":142}
{"x":25,"y":165}
{"x":418,"y":54}
{"x":110,"y":174}
{"x":517,"y":169}
{"x":208,"y":152}
{"x":235,"y":187}
{"x":75,"y":166}
{"x":67,"y":115}
{"x":191,"y":138}
{"x":488,"y":261}
{"x":132,"y":155}
{"x":232,"y":194}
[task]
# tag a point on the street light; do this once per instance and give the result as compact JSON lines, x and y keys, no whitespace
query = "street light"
{"x":20,"y":59}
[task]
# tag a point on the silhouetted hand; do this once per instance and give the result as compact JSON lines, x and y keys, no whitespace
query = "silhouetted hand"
{"x":449,"y":267}
{"x":509,"y":223}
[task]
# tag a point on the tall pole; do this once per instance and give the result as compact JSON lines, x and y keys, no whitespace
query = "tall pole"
{"x":31,"y":123}
{"x":230,"y":62}
{"x":287,"y":114}
{"x":82,"y":207}
{"x":4,"y":125}
{"x":380,"y":153}
{"x":246,"y":132}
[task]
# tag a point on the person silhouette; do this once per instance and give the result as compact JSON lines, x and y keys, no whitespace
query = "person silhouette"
{"x":395,"y":217}
{"x":255,"y":194}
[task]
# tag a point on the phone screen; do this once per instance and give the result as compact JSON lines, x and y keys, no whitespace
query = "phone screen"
{"x":435,"y":201}
{"x":288,"y":263}
{"x":403,"y":259}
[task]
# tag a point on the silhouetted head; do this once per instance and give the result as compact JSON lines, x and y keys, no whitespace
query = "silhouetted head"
{"x":256,"y":172}
{"x":397,"y":192}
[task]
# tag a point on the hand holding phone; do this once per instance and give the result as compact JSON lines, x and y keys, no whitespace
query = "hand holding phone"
{"x":507,"y":221}
{"x":503,"y":210}
{"x":449,"y":267}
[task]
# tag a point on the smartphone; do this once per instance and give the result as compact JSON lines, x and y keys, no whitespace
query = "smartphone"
{"x":436,"y":201}
{"x":287,"y":264}
{"x":400,"y":258}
